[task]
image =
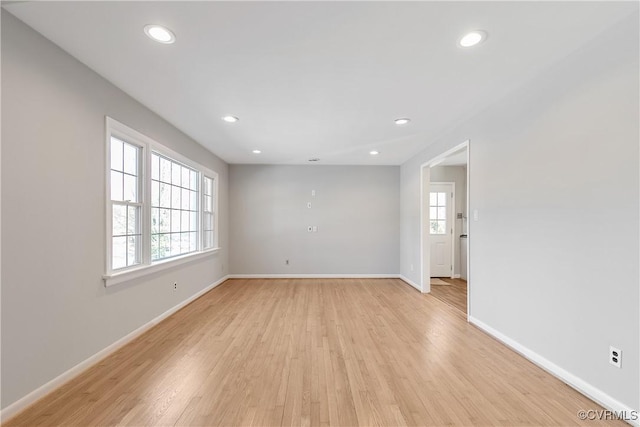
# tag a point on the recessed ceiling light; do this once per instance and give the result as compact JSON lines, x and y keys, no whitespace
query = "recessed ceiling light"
{"x":473,"y":38}
{"x":230,"y":119}
{"x":374,"y":152}
{"x":160,"y":34}
{"x":402,"y":121}
{"x":256,"y":151}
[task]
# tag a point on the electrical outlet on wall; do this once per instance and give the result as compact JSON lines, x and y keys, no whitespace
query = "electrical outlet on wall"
{"x":615,"y":356}
{"x":175,"y":286}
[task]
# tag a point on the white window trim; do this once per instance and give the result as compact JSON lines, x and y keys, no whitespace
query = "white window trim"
{"x":148,"y":145}
{"x":214,"y":195}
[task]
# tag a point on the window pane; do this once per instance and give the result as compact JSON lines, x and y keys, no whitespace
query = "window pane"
{"x":193,"y":242}
{"x":133,"y":250}
{"x":130,"y":188}
{"x":194,"y":180}
{"x":442,"y":213}
{"x":165,"y":220}
{"x":175,"y":221}
{"x":119,"y":253}
{"x":193,"y":205}
{"x":119,"y":220}
{"x":165,"y":170}
{"x":176,"y":171}
{"x":433,"y":213}
{"x":175,"y":244}
{"x":130,"y":159}
{"x":207,"y":203}
{"x":441,"y":227}
{"x":175,"y":197}
{"x":186,"y":180}
{"x":154,"y":246}
{"x":442,"y":199}
{"x":185,"y":199}
{"x":184,"y":226}
{"x":164,"y":248}
{"x":116,"y":185}
{"x":433,"y":199}
{"x":206,"y":239}
{"x":184,"y":243}
{"x":155,"y":221}
{"x":193,"y":221}
{"x":133,"y":226}
{"x":165,"y":195}
{"x":155,"y":193}
{"x":155,"y":166}
{"x":116,"y":154}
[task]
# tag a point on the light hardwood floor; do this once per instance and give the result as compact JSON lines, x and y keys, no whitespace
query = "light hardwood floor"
{"x":313,"y":352}
{"x":455,"y":294}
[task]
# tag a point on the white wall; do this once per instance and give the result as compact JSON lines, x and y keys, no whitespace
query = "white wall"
{"x":56,"y":311}
{"x":554,"y":177}
{"x":457,"y":175}
{"x":356,"y":210}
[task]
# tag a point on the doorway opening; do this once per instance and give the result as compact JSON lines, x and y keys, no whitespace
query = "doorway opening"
{"x":444,"y":227}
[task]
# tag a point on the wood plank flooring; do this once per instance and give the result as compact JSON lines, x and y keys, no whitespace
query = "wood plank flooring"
{"x":455,"y":294}
{"x":334,"y":352}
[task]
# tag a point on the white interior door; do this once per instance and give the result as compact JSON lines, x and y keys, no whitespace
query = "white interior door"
{"x":441,"y":228}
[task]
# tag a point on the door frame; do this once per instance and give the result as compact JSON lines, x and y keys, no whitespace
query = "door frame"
{"x":425,"y":242}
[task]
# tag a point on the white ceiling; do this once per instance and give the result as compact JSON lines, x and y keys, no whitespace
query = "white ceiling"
{"x":314,"y":79}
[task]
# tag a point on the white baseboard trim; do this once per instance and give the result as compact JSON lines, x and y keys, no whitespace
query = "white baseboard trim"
{"x":565,"y":376}
{"x":24,"y":402}
{"x":456,"y":276}
{"x":313,"y":276}
{"x":410,"y":282}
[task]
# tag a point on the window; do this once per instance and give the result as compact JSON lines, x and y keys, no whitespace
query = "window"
{"x":161,"y":207}
{"x":174,"y":208}
{"x":126,"y":237}
{"x":438,"y":212}
{"x":208,"y":213}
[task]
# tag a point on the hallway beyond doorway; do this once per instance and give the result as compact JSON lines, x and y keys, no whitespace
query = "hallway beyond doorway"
{"x":453,"y":294}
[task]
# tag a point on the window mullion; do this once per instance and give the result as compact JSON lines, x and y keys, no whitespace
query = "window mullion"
{"x":201,"y":212}
{"x":146,"y":207}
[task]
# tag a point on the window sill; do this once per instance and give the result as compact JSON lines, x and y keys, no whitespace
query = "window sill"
{"x":124,"y":276}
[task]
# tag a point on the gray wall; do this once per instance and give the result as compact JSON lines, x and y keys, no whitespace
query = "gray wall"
{"x":356,"y":210}
{"x":457,"y":175}
{"x":554,"y":177}
{"x":56,"y":311}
